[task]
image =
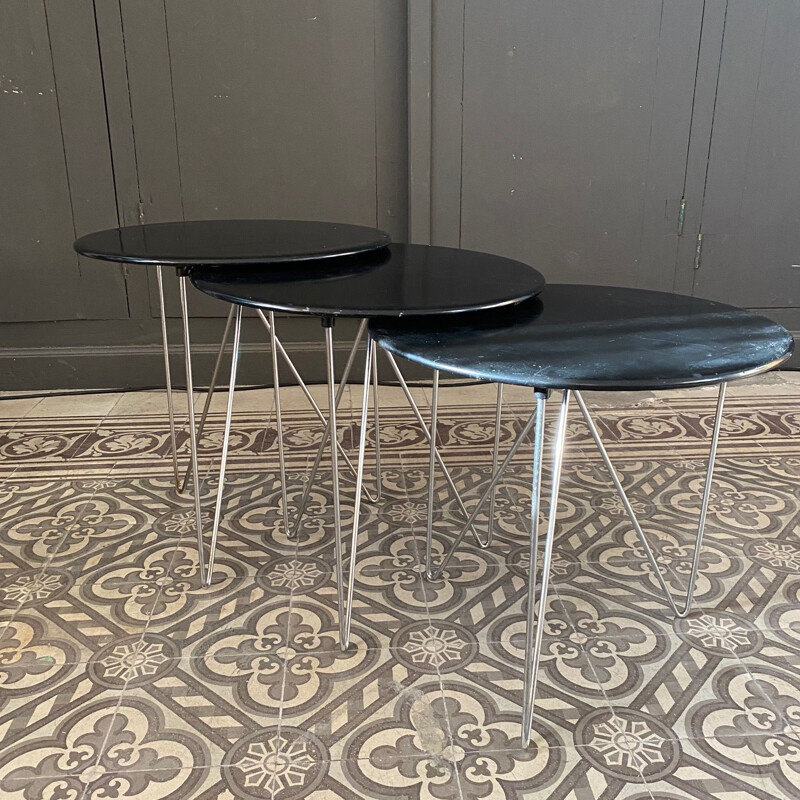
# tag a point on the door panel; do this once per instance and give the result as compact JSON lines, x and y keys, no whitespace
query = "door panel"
{"x":751,"y":235}
{"x":255,"y":109}
{"x":575,"y":134}
{"x":56,"y":165}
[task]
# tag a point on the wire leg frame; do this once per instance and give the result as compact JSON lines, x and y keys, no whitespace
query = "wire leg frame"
{"x":292,"y":532}
{"x":534,"y":629}
{"x":237,"y":338}
{"x":211,"y":389}
{"x":187,"y":357}
{"x":435,"y":572}
{"x":437,"y":455}
{"x":685,"y":610}
{"x":333,"y":400}
{"x":168,"y":376}
{"x":495,"y":456}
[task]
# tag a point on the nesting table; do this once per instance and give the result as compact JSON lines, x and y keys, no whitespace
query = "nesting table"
{"x":389,"y":283}
{"x":228,"y":244}
{"x":575,"y":338}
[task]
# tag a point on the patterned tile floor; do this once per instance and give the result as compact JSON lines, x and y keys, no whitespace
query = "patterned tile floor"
{"x":122,"y":677}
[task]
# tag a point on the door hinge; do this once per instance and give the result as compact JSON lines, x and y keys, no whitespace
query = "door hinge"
{"x":698,"y":251}
{"x":140,"y":209}
{"x":681,"y":216}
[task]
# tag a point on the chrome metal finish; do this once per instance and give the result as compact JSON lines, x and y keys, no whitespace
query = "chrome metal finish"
{"x":434,"y":574}
{"x":495,"y":455}
{"x":347,"y":612}
{"x":432,"y":473}
{"x":187,"y":357}
{"x":342,"y":384}
{"x":301,"y":383}
{"x":376,"y":408}
{"x":168,"y":376}
{"x":237,"y":335}
{"x":276,"y":388}
{"x":211,"y":387}
{"x":534,"y":633}
{"x":679,"y":612}
{"x":427,"y":434}
{"x":333,"y":400}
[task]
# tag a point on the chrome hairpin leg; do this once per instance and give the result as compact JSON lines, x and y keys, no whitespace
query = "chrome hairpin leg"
{"x":347,"y":612}
{"x":187,"y":357}
{"x":535,"y":622}
{"x":211,"y":388}
{"x":237,"y":336}
{"x":301,"y":383}
{"x":276,"y":388}
{"x":373,"y":348}
{"x":434,"y":574}
{"x":168,"y":376}
{"x":437,"y":455}
{"x":333,"y":400}
{"x":314,"y":469}
{"x":432,"y":450}
{"x":679,"y":612}
{"x":495,"y":456}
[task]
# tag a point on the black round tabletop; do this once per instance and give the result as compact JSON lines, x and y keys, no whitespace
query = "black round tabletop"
{"x":400,"y":279}
{"x":230,"y":241}
{"x":595,"y":337}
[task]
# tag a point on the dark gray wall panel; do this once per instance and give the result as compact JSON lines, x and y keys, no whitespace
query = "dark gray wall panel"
{"x":275,"y":108}
{"x":575,"y":134}
{"x":212,"y":108}
{"x":751,"y":237}
{"x":56,"y":165}
{"x":270,"y":109}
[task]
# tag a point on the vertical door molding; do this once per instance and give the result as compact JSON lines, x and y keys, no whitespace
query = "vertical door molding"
{"x":704,"y":106}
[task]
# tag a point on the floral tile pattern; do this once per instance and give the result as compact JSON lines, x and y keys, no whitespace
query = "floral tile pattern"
{"x":122,"y":676}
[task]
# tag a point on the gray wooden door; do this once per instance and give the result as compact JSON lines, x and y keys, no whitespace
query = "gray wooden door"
{"x":55,"y":165}
{"x":750,"y":221}
{"x":572,"y":148}
{"x":279,"y":109}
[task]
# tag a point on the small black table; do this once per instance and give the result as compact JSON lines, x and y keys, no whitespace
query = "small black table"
{"x":229,"y":241}
{"x":390,"y":283}
{"x":233,"y":243}
{"x":572,"y":338}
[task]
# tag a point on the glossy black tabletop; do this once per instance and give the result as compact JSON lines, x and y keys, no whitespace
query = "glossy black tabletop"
{"x":595,"y":337}
{"x":230,"y":241}
{"x":400,"y":279}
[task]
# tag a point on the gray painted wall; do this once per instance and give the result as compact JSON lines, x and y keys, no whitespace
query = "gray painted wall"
{"x":562,"y":132}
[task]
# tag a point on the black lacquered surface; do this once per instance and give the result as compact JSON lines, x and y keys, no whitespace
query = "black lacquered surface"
{"x":230,"y":241}
{"x":401,"y":279}
{"x":595,"y":337}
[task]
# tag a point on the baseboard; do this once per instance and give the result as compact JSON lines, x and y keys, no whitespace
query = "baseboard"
{"x":137,"y":366}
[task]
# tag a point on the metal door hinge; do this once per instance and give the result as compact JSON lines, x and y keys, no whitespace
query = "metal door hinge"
{"x":681,"y":216}
{"x":698,"y":252}
{"x":140,"y":209}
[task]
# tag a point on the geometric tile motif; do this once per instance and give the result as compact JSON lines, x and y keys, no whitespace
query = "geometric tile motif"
{"x":122,"y":676}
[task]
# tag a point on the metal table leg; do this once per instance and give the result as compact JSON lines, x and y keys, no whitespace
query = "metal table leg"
{"x":187,"y":356}
{"x":334,"y":451}
{"x":237,"y":336}
{"x":437,"y":455}
{"x":168,"y":376}
{"x":687,"y":606}
{"x":211,"y":388}
{"x":347,"y":612}
{"x":535,"y":621}
{"x":326,"y":434}
{"x":495,"y":456}
{"x":276,"y":389}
